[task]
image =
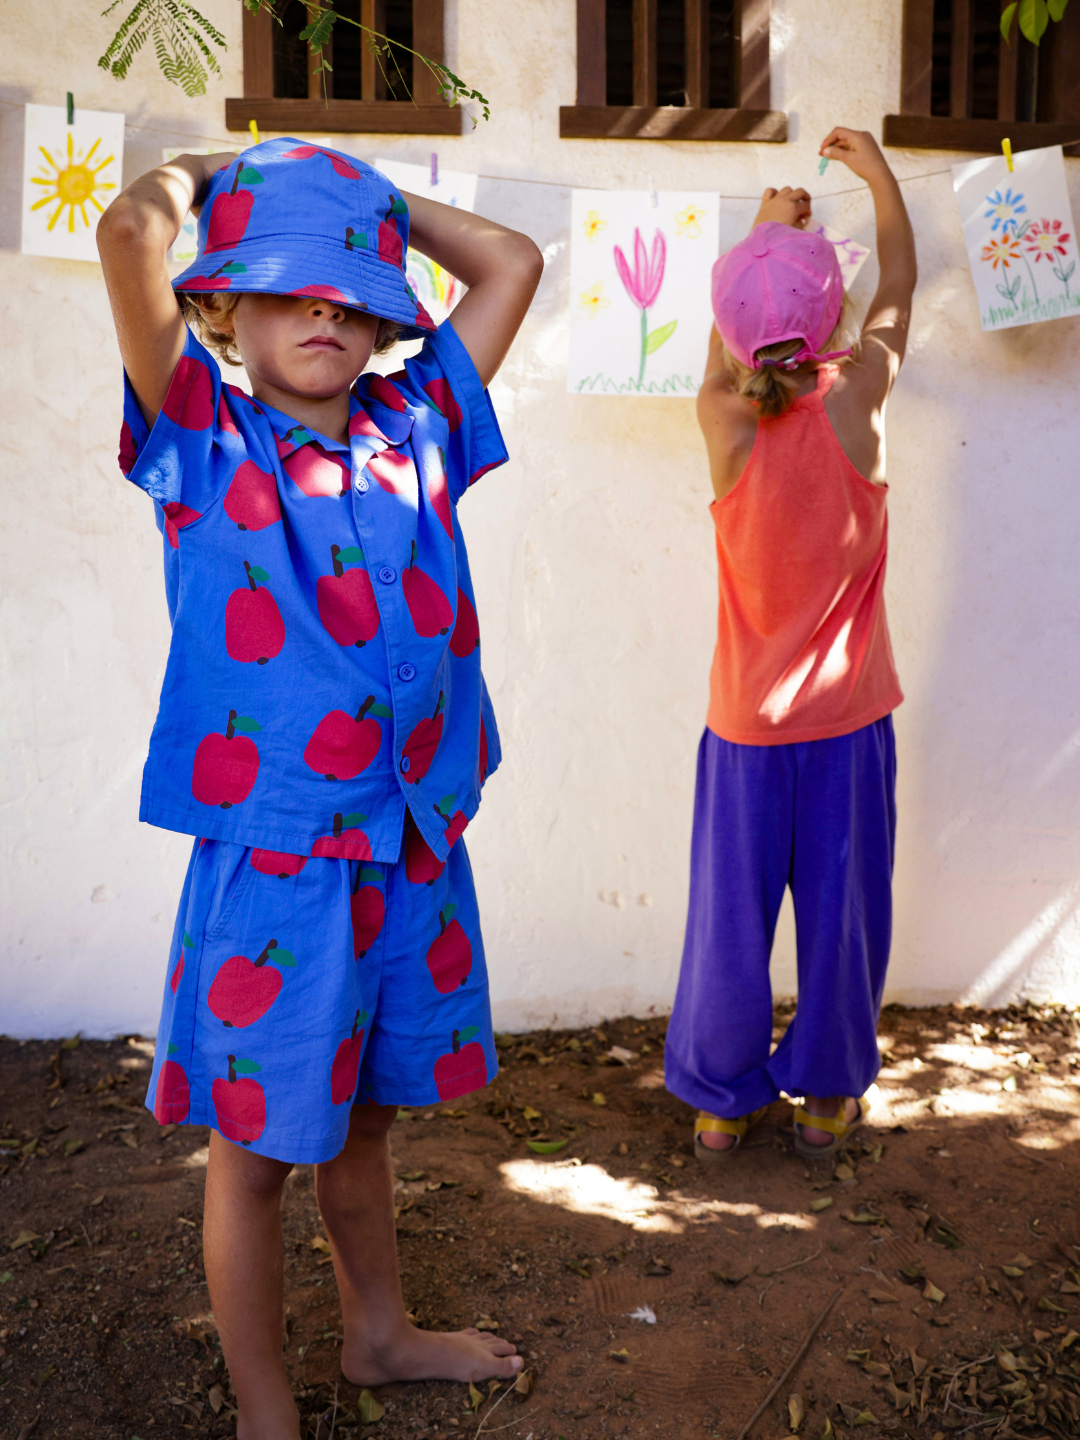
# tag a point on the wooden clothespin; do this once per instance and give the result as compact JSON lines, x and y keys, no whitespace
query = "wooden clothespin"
{"x":1006,"y":150}
{"x":254,"y":132}
{"x":70,"y":108}
{"x":434,"y":168}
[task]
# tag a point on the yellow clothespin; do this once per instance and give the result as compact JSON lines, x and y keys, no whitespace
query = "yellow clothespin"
{"x":255,"y":136}
{"x":1006,"y":150}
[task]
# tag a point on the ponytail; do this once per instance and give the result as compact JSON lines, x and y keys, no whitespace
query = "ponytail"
{"x":772,"y":388}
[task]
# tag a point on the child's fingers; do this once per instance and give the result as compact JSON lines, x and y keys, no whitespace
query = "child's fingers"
{"x":770,"y":194}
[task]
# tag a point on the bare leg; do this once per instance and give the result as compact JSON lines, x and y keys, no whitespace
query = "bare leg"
{"x":244,"y":1270}
{"x":355,"y":1192}
{"x":815,"y":1106}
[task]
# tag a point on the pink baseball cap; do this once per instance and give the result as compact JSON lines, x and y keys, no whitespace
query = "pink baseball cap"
{"x":778,"y":284}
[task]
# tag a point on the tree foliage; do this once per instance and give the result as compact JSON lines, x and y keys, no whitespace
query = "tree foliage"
{"x":1032,"y":17}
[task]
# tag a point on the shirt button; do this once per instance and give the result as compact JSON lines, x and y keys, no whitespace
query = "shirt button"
{"x":406,"y":764}
{"x":406,"y":672}
{"x":387,"y":574}
{"x":361,"y":484}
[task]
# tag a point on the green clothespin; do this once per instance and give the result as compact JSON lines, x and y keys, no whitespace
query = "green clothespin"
{"x":821,"y":167}
{"x":70,"y":108}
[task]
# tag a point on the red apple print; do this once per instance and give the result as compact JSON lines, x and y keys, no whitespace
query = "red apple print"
{"x":226,"y":766}
{"x":221,"y":279}
{"x":318,"y":473}
{"x":277,"y":862}
{"x":346,"y":842}
{"x":344,"y":1072}
{"x":190,"y":401}
{"x":176,"y":517}
{"x":343,"y":746}
{"x":224,"y":418}
{"x":442,"y":399}
{"x":466,"y":636}
{"x":394,"y":471}
{"x":346,"y":599}
{"x":252,"y":499}
{"x":240,"y":1103}
{"x":421,"y":745}
{"x":389,"y":239}
{"x":439,"y":495}
{"x":454,"y":820}
{"x":339,"y":162}
{"x":178,"y":973}
{"x":381,"y":389}
{"x":243,"y":989}
{"x":129,"y":451}
{"x":483,"y":759}
{"x":463,"y":1069}
{"x":449,"y":956}
{"x":238,"y":394}
{"x":230,"y":213}
{"x":368,"y":909}
{"x":430,"y":610}
{"x":172,"y":1098}
{"x":254,"y":629}
{"x":422,"y":867}
{"x":322,"y":292}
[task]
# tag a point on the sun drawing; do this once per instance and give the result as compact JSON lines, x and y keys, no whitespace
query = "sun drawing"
{"x":72,"y":186}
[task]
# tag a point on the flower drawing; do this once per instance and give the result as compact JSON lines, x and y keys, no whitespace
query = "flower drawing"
{"x":1004,"y":208}
{"x":688,"y":222}
{"x":592,"y":225}
{"x":1002,"y":250}
{"x":594,"y":300}
{"x":1045,"y":240}
{"x":642,"y":284}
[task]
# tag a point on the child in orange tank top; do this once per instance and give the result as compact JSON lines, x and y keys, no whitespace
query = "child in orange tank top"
{"x":796,"y":768}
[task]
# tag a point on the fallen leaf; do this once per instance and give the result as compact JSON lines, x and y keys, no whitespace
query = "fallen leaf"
{"x":24,"y":1237}
{"x":412,"y":1175}
{"x":7,"y":1277}
{"x":879,"y":1371}
{"x":320,"y":1243}
{"x":1044,"y":1304}
{"x":864,"y":1217}
{"x":1013,"y":1271}
{"x":857,"y":1357}
{"x":476,"y":1398}
{"x":72,"y":1147}
{"x":844,"y":1172}
{"x":370,"y":1408}
{"x":1009,"y":1083}
{"x":796,"y":1410}
{"x":828,"y":1433}
{"x":932,"y":1293}
{"x":822,"y":1204}
{"x":1070,"y":1339}
{"x":130,"y":1140}
{"x":71,"y":1043}
{"x":645,"y":1313}
{"x":619,"y":1055}
{"x":46,"y":1375}
{"x":579,"y":1267}
{"x":485,"y":1322}
{"x":623,"y":1356}
{"x":530,"y":1114}
{"x":918,"y":1364}
{"x":547,"y":1147}
{"x":1021,"y":1261}
{"x":658,"y":1267}
{"x":524,"y":1383}
{"x":599,"y":1098}
{"x":216,"y":1398}
{"x":728,"y":1277}
{"x":882,"y":1297}
{"x":98,"y":1198}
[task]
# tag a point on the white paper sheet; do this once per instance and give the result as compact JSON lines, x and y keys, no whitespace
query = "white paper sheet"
{"x":640,"y":313}
{"x":70,"y":174}
{"x":437,"y":289}
{"x":1020,"y":237}
{"x":185,"y":247}
{"x":849,"y":253}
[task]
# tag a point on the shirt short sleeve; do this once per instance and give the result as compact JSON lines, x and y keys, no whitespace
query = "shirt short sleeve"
{"x":443,"y":377}
{"x":184,"y":460}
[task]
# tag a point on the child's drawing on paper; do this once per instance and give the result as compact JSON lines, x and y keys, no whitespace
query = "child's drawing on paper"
{"x":638,"y":274}
{"x":1013,"y":223}
{"x":850,"y":255}
{"x":437,"y":290}
{"x":70,"y":174}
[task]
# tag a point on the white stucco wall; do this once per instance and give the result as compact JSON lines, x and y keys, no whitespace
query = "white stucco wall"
{"x":593,"y":560}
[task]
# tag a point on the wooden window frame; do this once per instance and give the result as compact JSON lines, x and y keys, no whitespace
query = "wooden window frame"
{"x":429,"y":115}
{"x":916,"y":129}
{"x":593,"y":119}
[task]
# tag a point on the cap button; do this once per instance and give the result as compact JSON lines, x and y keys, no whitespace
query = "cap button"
{"x":759,"y":242}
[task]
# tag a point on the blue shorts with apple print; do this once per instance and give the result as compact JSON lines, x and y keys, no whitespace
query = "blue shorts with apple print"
{"x":300,"y":986}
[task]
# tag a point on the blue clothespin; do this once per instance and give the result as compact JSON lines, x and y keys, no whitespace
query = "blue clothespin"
{"x":434,"y":169}
{"x":70,"y":108}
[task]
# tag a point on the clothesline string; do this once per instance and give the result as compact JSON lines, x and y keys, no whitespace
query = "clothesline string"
{"x":557,"y":184}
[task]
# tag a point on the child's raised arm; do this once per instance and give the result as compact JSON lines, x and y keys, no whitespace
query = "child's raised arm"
{"x":132,"y":238}
{"x":885,"y":329}
{"x":501,"y":267}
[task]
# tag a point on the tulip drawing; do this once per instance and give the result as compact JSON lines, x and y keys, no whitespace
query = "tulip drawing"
{"x":642,"y":284}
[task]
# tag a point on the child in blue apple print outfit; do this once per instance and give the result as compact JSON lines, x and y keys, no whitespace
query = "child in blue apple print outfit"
{"x":324,"y":728}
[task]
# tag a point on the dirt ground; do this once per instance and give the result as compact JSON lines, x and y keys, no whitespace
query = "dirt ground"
{"x":948,"y":1236}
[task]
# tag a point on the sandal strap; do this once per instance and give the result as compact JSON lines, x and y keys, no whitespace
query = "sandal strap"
{"x":715,"y":1125}
{"x":838,"y":1126}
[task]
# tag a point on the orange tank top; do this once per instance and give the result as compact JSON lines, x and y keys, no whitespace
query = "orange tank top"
{"x":803,"y":648}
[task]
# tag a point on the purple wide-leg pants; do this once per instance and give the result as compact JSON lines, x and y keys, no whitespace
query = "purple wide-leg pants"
{"x":821,"y":817}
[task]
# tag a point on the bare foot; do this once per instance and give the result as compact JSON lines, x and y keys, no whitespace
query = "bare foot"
{"x":713,"y":1140}
{"x":430,"y":1355}
{"x":813,"y":1106}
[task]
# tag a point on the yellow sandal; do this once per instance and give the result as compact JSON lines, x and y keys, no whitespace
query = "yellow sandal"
{"x":715,"y":1125}
{"x":840,"y":1128}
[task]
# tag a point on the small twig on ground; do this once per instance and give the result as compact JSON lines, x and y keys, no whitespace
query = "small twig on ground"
{"x":767,"y":1274}
{"x":498,"y":1402}
{"x":969,"y":1366}
{"x":799,"y":1356}
{"x":510,"y":1423}
{"x":333,"y":1417}
{"x":86,"y":1232}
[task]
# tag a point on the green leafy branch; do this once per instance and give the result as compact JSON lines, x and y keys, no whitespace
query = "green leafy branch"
{"x":182,"y":38}
{"x":1033,"y":16}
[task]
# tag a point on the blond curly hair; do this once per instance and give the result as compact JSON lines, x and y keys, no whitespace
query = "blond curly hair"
{"x":204,"y":311}
{"x":772,"y":388}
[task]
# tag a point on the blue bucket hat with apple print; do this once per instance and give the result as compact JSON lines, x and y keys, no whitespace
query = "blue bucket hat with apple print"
{"x":286,"y":218}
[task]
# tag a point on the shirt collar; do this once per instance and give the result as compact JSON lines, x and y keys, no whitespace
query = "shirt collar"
{"x":368,"y":417}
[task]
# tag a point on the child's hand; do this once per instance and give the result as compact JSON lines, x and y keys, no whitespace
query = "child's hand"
{"x":785,"y":207}
{"x":857,"y":149}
